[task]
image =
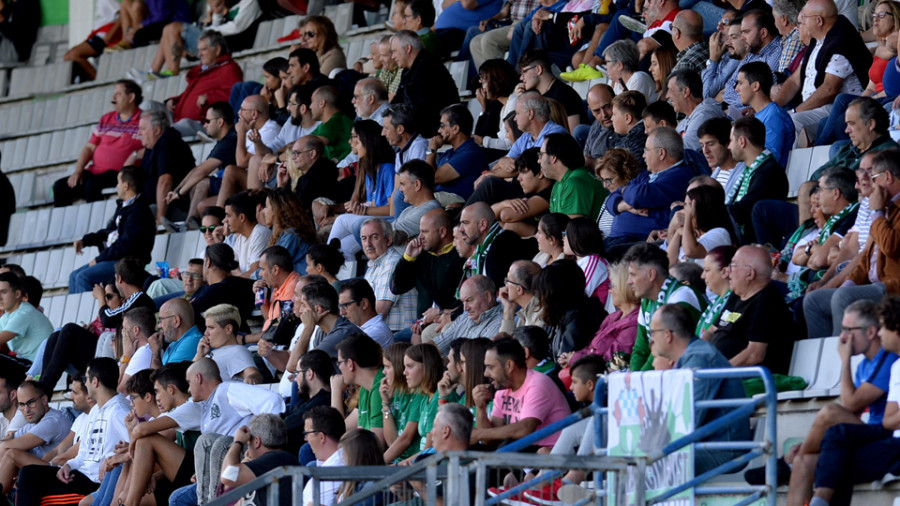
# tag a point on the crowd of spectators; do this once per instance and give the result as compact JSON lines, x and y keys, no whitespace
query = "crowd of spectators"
{"x":416,"y":279}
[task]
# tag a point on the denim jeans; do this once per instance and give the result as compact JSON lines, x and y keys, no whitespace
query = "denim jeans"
{"x":85,"y":277}
{"x":824,"y":308}
{"x":184,"y":496}
{"x":521,"y":41}
{"x":709,"y":12}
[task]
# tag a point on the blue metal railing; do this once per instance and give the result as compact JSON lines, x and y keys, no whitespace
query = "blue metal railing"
{"x":742,"y":408}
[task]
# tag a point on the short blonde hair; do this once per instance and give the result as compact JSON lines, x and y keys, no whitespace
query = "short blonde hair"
{"x":224,"y":314}
{"x":618,"y":275}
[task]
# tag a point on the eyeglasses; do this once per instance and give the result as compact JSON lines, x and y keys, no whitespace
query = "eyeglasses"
{"x":209,"y":229}
{"x":341,"y":362}
{"x":192,"y":275}
{"x":724,"y":22}
{"x":309,"y":34}
{"x":734,"y":266}
{"x":30,"y":404}
{"x":207,"y":120}
{"x":526,"y":69}
{"x":607,"y":181}
{"x":541,"y":154}
{"x":161,"y":318}
{"x":850,"y":329}
{"x":343,"y":307}
{"x":109,"y":296}
{"x":826,"y":188}
{"x":881,"y":15}
{"x":294,"y":104}
{"x":650,"y":333}
{"x":306,"y":433}
{"x":296,"y":154}
{"x":511,"y":282}
{"x":874,"y":176}
{"x":802,"y":17}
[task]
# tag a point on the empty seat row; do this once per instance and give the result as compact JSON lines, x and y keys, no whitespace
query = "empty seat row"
{"x":341,"y":15}
{"x":42,"y":150}
{"x":115,"y":65}
{"x":802,"y":162}
{"x":52,"y":226}
{"x":76,"y":308}
{"x":818,"y":362}
{"x":162,"y":89}
{"x":53,"y":266}
{"x":269,"y":32}
{"x":49,"y":78}
{"x":33,"y":188}
{"x":38,"y":115}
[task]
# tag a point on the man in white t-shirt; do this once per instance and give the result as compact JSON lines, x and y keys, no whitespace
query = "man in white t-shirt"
{"x":226,"y":406}
{"x":138,"y":325}
{"x":254,"y":128}
{"x":46,"y":427}
{"x":250,"y":238}
{"x":105,"y":428}
{"x":323,"y":427}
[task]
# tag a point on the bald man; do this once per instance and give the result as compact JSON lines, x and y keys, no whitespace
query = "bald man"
{"x":177,"y":335}
{"x":495,"y":249}
{"x":434,"y":275}
{"x":255,"y":130}
{"x":600,"y":136}
{"x":837,"y":61}
{"x":687,"y":36}
{"x":756,"y":326}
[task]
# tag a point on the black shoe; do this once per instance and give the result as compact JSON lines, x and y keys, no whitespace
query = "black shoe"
{"x":757,"y":476}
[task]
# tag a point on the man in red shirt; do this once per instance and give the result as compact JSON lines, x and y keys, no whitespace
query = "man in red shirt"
{"x":112,"y":141}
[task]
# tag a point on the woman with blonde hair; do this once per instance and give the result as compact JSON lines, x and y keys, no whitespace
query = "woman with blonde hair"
{"x":400,"y":406}
{"x":221,"y":343}
{"x":619,"y":330}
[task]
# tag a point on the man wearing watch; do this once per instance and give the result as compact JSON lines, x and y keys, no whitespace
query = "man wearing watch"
{"x":203,"y":182}
{"x":261,"y":442}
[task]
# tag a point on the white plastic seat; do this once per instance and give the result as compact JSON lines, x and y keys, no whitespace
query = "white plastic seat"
{"x":86,"y":308}
{"x":40,"y":264}
{"x":159,"y":252}
{"x":70,"y":314}
{"x":67,"y":265}
{"x":54,"y":266}
{"x":798,"y":169}
{"x":805,"y":364}
{"x":53,"y":308}
{"x":829,"y":373}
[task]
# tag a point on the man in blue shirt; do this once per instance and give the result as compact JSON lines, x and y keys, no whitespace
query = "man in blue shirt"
{"x":753,"y":86}
{"x":177,"y":331}
{"x":457,"y":168}
{"x":672,"y":337}
{"x":868,"y":389}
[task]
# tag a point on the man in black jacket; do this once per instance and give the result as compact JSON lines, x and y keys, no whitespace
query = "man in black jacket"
{"x":432,"y":266}
{"x":426,"y":84}
{"x":763,"y":179}
{"x":495,"y":249}
{"x":130,"y":232}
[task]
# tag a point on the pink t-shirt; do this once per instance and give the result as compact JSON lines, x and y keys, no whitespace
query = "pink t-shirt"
{"x":115,"y":141}
{"x":538,"y":397}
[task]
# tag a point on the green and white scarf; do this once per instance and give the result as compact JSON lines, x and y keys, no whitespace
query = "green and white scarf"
{"x":739,"y":190}
{"x":826,"y":231}
{"x":712,"y":312}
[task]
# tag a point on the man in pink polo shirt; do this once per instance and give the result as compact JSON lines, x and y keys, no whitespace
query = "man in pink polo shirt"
{"x":525,"y":400}
{"x":112,"y":141}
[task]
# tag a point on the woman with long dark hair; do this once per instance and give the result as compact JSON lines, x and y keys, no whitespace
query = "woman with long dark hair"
{"x":497,"y":98}
{"x":372,"y":190}
{"x":290,"y":224}
{"x":571,"y":316}
{"x":705,"y":224}
{"x":549,"y":235}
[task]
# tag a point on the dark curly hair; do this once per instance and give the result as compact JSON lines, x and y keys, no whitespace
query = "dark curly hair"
{"x":889,"y":312}
{"x":288,"y":213}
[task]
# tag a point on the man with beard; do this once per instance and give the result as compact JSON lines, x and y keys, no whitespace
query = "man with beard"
{"x":313,"y":378}
{"x":177,"y":330}
{"x":720,"y":74}
{"x":525,"y":400}
{"x":204,"y":181}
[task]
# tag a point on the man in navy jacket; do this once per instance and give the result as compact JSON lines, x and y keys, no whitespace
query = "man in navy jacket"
{"x":130,"y":232}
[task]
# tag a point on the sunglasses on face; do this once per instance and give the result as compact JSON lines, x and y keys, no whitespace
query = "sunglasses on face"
{"x":209,"y":229}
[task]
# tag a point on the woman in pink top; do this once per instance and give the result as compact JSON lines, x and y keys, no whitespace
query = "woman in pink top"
{"x":618,"y":331}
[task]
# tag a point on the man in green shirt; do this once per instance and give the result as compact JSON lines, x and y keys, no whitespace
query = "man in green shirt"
{"x":359,"y":359}
{"x":334,"y":131}
{"x":576,"y":192}
{"x":648,"y":268}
